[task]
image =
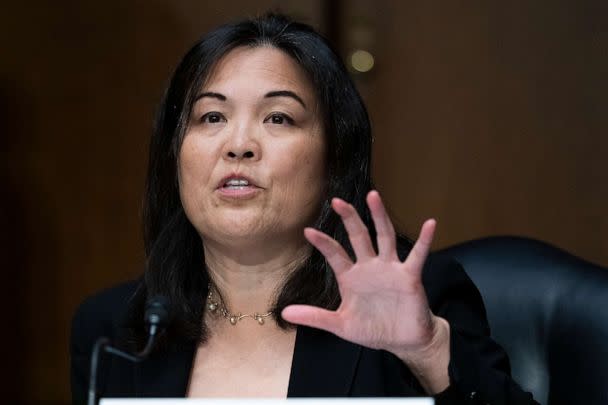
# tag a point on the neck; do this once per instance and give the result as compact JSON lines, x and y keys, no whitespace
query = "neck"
{"x":249,"y":279}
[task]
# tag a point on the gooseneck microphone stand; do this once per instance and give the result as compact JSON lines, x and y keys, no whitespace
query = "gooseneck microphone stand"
{"x":156,"y":318}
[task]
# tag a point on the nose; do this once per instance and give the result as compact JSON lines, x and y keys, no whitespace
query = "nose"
{"x":242,"y":144}
{"x":237,"y":155}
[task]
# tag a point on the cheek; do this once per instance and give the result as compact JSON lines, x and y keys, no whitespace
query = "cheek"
{"x":304,"y":170}
{"x":314,"y":160}
{"x":194,"y":170}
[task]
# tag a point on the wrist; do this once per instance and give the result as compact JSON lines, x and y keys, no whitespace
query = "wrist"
{"x":429,"y":363}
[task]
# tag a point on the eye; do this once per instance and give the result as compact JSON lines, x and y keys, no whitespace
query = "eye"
{"x":213,"y":118}
{"x":279,"y":119}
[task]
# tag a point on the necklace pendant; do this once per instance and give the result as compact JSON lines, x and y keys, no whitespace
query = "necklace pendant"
{"x":217,"y":307}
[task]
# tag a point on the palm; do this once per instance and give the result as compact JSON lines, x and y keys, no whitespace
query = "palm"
{"x":376,"y":301}
{"x":384,"y":305}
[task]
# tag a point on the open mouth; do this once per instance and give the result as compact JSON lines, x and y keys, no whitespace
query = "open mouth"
{"x":236,"y":184}
{"x":236,"y":181}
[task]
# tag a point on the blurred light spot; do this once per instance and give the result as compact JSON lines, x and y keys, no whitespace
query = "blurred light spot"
{"x":362,"y":61}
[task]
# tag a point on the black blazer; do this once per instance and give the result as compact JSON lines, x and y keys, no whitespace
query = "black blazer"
{"x":323,"y":364}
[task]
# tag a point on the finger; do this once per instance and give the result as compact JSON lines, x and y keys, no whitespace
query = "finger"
{"x":415,"y":260}
{"x":332,"y":251}
{"x":385,"y":232}
{"x":313,"y":316}
{"x":358,"y":234}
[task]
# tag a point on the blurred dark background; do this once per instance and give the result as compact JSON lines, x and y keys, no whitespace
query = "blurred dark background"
{"x":490,"y":116}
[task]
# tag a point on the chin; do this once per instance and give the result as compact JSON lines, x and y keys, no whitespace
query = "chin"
{"x":244,"y":240}
{"x":232,"y":230}
{"x":238,"y":235}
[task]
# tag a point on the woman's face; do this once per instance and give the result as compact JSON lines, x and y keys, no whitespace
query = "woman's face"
{"x":252,"y":163}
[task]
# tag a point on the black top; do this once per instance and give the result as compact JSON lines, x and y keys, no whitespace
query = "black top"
{"x":323,"y":364}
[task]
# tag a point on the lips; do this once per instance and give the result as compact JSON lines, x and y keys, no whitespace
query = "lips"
{"x":237,"y":187}
{"x":236,"y":181}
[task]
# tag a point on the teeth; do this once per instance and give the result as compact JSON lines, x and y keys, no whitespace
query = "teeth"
{"x":236,"y":183}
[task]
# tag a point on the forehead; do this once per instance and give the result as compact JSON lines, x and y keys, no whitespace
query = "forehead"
{"x":261,"y":69}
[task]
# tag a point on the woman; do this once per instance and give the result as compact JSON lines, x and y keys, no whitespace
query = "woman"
{"x":285,"y":274}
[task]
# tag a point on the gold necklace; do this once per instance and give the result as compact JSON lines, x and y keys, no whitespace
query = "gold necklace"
{"x":217,"y":307}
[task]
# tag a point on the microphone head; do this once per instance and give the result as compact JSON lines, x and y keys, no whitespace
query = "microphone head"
{"x":157,"y":311}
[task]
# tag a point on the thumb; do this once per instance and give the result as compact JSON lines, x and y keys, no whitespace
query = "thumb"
{"x":313,"y":316}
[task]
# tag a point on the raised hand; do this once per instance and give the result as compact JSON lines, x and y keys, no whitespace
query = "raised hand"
{"x":384,"y":305}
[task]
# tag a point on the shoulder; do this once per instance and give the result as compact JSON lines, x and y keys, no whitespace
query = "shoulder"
{"x":102,"y":314}
{"x":453,"y":295}
{"x":442,"y":272}
{"x":106,"y":305}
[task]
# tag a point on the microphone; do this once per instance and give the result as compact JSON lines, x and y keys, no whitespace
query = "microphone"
{"x":156,"y":317}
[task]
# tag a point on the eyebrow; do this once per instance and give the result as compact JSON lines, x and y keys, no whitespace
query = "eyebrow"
{"x":286,"y":93}
{"x":276,"y":93}
{"x":211,"y":94}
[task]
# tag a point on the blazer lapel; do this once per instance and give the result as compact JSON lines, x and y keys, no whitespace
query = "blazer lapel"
{"x":165,"y":375}
{"x":323,"y":365}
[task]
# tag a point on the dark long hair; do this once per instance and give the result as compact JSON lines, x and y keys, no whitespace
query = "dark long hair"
{"x":175,"y":265}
